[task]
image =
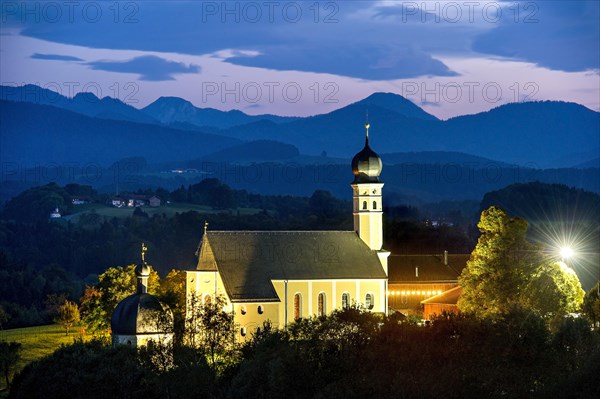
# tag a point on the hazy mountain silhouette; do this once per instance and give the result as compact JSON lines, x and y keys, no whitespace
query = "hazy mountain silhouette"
{"x":33,"y":134}
{"x":170,"y":110}
{"x":399,"y":104}
{"x":83,"y":103}
{"x":546,"y":134}
{"x":534,"y":133}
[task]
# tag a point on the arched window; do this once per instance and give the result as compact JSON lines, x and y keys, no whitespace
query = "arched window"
{"x":369,"y":301}
{"x":243,"y":310}
{"x":243,"y":331}
{"x":297,"y":306}
{"x":207,"y":299}
{"x":260,"y":309}
{"x":345,"y":300}
{"x":364,"y":204}
{"x":321,"y":310}
{"x":374,"y":204}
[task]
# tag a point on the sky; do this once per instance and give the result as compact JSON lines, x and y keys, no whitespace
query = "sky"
{"x":304,"y":58}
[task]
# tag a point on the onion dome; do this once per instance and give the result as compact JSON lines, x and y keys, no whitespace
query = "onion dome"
{"x":140,"y":313}
{"x":366,"y":165}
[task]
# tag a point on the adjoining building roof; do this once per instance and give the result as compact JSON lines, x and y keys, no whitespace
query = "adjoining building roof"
{"x":425,"y":268}
{"x":449,"y":297}
{"x":249,"y":260}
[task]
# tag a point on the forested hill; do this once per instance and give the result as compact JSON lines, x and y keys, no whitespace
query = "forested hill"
{"x":32,"y":134}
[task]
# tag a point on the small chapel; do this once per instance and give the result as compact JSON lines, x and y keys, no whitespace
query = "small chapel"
{"x":282,"y":276}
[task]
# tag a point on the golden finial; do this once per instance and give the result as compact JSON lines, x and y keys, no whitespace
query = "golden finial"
{"x":205,"y":226}
{"x":367,"y":125}
{"x":144,"y":249}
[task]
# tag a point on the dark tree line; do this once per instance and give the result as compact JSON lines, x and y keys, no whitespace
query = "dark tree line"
{"x":349,"y":354}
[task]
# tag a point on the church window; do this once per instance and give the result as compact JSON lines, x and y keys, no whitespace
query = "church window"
{"x":321,"y":308}
{"x":364,"y":204}
{"x":243,"y":310}
{"x":369,"y":301}
{"x":345,"y":300}
{"x":260,"y":309}
{"x":297,"y":306}
{"x":207,"y":299}
{"x":374,"y":204}
{"x":243,"y":331}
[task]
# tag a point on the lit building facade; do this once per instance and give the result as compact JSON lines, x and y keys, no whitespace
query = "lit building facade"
{"x":281,"y":276}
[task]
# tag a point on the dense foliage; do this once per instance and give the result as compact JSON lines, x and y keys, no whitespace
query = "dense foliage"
{"x":506,"y":271}
{"x":114,"y":285}
{"x":349,"y":354}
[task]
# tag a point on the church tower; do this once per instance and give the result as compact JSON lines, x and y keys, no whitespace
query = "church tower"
{"x":367,"y":200}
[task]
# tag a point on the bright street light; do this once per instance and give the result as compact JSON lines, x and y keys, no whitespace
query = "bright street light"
{"x":566,"y":252}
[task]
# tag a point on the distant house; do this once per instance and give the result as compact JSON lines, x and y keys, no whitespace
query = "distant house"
{"x":154,"y":201}
{"x":55,"y":215}
{"x":118,"y":202}
{"x":134,"y":200}
{"x":415,"y":278}
{"x":80,"y":200}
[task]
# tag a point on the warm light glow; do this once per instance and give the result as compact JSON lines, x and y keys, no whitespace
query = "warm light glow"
{"x":566,"y":252}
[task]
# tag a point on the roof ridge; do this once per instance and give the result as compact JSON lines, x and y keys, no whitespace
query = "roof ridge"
{"x":277,"y":231}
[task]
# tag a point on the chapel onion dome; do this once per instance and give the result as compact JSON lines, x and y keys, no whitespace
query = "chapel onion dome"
{"x":141,"y":313}
{"x":366,"y":165}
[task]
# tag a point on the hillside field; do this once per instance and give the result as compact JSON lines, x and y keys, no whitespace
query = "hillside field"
{"x":39,"y":341}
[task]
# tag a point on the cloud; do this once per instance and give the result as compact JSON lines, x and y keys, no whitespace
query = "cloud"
{"x":335,"y":41}
{"x":55,"y":57}
{"x":149,"y":67}
{"x":558,"y":35}
{"x":371,"y":62}
{"x":366,"y":40}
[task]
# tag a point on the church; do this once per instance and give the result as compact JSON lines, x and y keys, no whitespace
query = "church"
{"x":282,"y":276}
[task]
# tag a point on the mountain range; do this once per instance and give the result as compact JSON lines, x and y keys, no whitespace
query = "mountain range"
{"x":41,"y":126}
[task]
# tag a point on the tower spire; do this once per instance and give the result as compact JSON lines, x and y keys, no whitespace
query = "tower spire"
{"x":142,"y":272}
{"x":144,"y":249}
{"x":367,"y":125}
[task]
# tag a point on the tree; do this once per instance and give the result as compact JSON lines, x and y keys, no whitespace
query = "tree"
{"x":499,"y":267}
{"x":10,"y":353}
{"x":554,"y":291}
{"x":3,"y":317}
{"x":53,"y":303}
{"x":114,"y":285}
{"x":68,"y":315}
{"x":591,"y":305}
{"x":172,"y":293}
{"x":212,"y":329}
{"x":87,"y":370}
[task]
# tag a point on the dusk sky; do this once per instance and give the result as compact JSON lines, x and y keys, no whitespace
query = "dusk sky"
{"x":305,"y":58}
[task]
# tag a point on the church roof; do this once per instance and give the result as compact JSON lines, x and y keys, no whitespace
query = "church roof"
{"x":449,"y":297}
{"x":248,"y":260}
{"x":431,"y":268}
